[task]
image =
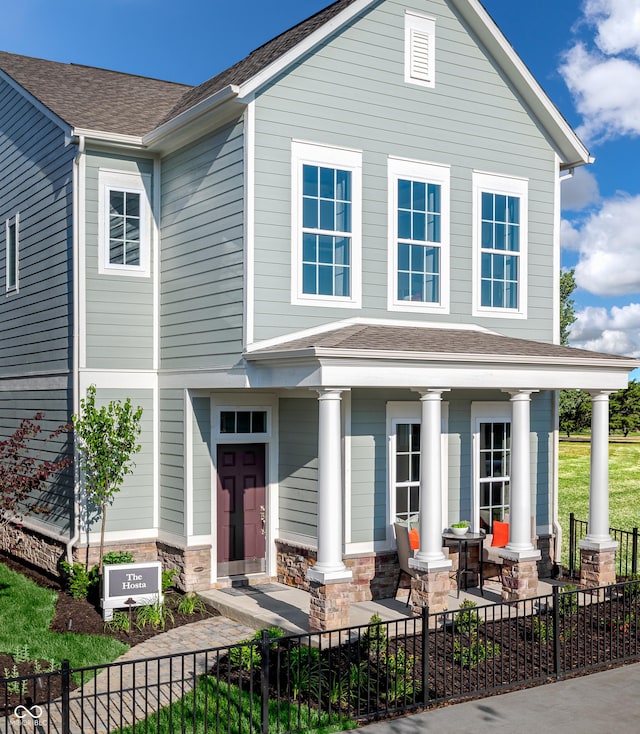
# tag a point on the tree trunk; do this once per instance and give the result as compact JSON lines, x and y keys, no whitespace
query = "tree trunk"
{"x":104,"y":522}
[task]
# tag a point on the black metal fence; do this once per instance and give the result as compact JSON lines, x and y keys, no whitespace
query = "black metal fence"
{"x":626,"y":555}
{"x":297,"y":683}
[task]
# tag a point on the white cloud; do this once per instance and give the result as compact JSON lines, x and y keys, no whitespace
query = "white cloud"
{"x":616,"y":331}
{"x":569,"y":236}
{"x":618,"y":25}
{"x":580,"y":190}
{"x":609,"y":246}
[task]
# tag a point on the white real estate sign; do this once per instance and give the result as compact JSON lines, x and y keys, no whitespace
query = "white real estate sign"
{"x":130,"y":584}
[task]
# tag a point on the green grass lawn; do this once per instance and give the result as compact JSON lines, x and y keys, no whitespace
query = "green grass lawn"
{"x":26,"y":612}
{"x":624,"y":485}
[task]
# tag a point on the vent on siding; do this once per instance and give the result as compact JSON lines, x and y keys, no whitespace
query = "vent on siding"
{"x":420,"y":58}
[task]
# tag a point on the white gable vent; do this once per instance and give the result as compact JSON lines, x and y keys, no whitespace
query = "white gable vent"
{"x":420,"y":58}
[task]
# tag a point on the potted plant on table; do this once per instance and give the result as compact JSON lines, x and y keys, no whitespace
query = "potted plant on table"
{"x":460,"y":528}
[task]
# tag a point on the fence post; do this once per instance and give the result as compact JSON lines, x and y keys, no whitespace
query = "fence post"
{"x":264,"y":680}
{"x":65,"y":675}
{"x":556,"y":631}
{"x":425,"y":656}
{"x":634,"y":552}
{"x":572,"y":544}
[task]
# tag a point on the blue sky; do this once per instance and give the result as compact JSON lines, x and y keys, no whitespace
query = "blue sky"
{"x":585,"y":54}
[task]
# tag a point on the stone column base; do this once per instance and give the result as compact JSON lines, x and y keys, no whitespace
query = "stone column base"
{"x":597,"y":567}
{"x":519,"y":579}
{"x":328,"y":606}
{"x":430,"y":589}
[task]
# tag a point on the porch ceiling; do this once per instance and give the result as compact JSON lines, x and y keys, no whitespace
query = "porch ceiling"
{"x":373,"y":355}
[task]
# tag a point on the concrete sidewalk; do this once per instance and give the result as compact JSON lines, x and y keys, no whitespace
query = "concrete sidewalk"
{"x":592,"y":704}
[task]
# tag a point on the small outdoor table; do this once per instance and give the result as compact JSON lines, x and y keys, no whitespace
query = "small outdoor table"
{"x":464,"y":541}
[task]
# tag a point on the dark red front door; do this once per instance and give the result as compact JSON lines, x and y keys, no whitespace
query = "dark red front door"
{"x":241,"y":509}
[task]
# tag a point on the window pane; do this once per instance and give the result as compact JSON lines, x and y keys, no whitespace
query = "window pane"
{"x":500,"y":233}
{"x":512,"y":267}
{"x":415,"y":467}
{"x":417,"y":280}
{"x":432,"y":289}
{"x":511,"y":295}
{"x":342,"y":250}
{"x":513,"y":242}
{"x":402,"y":501}
{"x":132,"y":255}
{"x":403,"y":257}
{"x":327,"y":183}
{"x":498,"y":267}
{"x":487,"y":206}
{"x":133,"y":229}
{"x":402,"y":437}
{"x":419,"y":226}
{"x":327,"y":215}
{"x":325,"y":280}
{"x":243,"y":418}
{"x":116,"y":228}
{"x":310,"y":181}
{"x":403,"y":287}
{"x":486,"y":293}
{"x":487,"y":235}
{"x":498,"y":295}
{"x":227,"y":421}
{"x":501,"y":208}
{"x":116,"y":202}
{"x":404,"y":225}
{"x":116,"y":252}
{"x":414,"y":500}
{"x":325,"y":249}
{"x":415,"y":437}
{"x":433,"y":203}
{"x":343,"y":217}
{"x":514,"y":210}
{"x":433,"y":228}
{"x":486,"y":265}
{"x":343,"y":185}
{"x":310,"y":213}
{"x":310,"y":248}
{"x":309,"y":275}
{"x":402,"y":468}
{"x":419,"y":196}
{"x":259,"y":421}
{"x":132,"y":205}
{"x":404,"y":194}
{"x":432,"y":259}
{"x":342,"y":282}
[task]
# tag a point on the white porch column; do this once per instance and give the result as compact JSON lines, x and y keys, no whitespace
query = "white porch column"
{"x":520,"y":546}
{"x":599,"y":481}
{"x":430,"y":554}
{"x":329,"y":567}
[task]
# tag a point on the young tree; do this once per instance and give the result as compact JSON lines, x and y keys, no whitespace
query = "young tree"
{"x":567,"y":311}
{"x":107,"y":438}
{"x":22,"y":475}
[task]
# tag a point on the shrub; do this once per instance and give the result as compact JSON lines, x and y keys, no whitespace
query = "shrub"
{"x":568,"y":600}
{"x":467,"y":619}
{"x":374,"y":638}
{"x":542,"y":629}
{"x":470,"y":654}
{"x":304,"y":671}
{"x":117,"y":557}
{"x":246,"y":654}
{"x":167,"y":578}
{"x":119,"y":623}
{"x":631,"y":589}
{"x":402,"y":684}
{"x":155,"y":615}
{"x":190,"y":604}
{"x":80,"y":580}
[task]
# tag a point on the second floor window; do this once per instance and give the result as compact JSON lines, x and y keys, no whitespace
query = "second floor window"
{"x":124,"y":228}
{"x":326,"y":231}
{"x":326,"y":225}
{"x":419,"y":236}
{"x":124,"y":223}
{"x":500,"y":206}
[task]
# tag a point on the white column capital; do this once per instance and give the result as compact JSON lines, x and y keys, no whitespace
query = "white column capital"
{"x":600,"y":396}
{"x":431,"y":393}
{"x":331,"y":393}
{"x":520,"y":395}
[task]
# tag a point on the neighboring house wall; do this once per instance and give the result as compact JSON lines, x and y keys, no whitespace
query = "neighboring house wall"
{"x":36,"y":321}
{"x":202,"y":252}
{"x":351,"y":93}
{"x":119,"y":308}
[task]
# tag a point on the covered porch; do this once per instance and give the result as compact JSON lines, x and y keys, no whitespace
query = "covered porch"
{"x":434,"y":363}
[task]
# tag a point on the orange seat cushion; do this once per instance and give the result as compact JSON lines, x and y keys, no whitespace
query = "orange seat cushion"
{"x":500,"y":534}
{"x":414,"y":539}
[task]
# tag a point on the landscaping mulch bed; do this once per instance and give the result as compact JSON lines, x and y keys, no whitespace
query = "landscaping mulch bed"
{"x":78,"y":616}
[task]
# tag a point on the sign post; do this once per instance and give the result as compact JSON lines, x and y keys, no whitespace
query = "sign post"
{"x":130,"y":584}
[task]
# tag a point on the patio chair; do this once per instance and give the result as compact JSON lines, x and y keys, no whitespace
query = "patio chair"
{"x":404,"y":553}
{"x":491,"y":553}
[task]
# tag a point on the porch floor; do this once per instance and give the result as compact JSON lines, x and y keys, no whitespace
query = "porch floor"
{"x":273,"y":604}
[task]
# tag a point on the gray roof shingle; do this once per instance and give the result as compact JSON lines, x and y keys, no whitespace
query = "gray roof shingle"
{"x":425,"y":341}
{"x":95,"y":99}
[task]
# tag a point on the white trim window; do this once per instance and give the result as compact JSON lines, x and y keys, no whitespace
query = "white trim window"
{"x":419,"y":215}
{"x":419,"y":49}
{"x":124,"y":223}
{"x":248,"y":424}
{"x":500,"y":238}
{"x":492,"y":463}
{"x":12,"y":252}
{"x":403,"y":428}
{"x":326,"y":225}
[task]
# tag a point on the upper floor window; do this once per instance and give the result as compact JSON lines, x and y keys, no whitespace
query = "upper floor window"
{"x":419,"y":229}
{"x":124,"y":223}
{"x":326,"y":225}
{"x":419,"y":51}
{"x":11,"y":264}
{"x":500,"y":244}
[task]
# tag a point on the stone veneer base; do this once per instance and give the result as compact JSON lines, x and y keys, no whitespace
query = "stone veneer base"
{"x":519,"y":579}
{"x":430,"y":590}
{"x":597,"y":567}
{"x":328,"y":606}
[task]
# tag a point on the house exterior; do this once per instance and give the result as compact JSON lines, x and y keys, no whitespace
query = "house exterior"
{"x":330,"y":277}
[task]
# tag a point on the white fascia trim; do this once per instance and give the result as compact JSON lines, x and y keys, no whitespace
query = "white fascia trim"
{"x":43,"y":109}
{"x":252,"y":85}
{"x":557,"y":223}
{"x":359,"y":320}
{"x":119,"y":536}
{"x":118,"y":379}
{"x":483,"y":25}
{"x":188,"y":116}
{"x":429,"y":173}
{"x":188,"y":462}
{"x":156,"y":211}
{"x":249,"y":219}
{"x":497,"y":183}
{"x":99,"y":136}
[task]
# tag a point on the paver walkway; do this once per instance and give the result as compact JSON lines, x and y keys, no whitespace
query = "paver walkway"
{"x":123,"y":694}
